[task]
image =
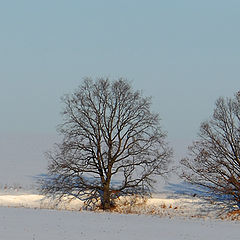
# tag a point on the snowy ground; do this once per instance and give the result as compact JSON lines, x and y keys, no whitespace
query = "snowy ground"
{"x":173,"y":202}
{"x":165,"y":204}
{"x":21,"y":223}
{"x":24,"y":214}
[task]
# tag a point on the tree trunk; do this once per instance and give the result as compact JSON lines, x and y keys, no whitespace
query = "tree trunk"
{"x":106,"y":201}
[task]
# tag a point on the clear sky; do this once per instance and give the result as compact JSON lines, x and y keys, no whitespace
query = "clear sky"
{"x":185,"y":54}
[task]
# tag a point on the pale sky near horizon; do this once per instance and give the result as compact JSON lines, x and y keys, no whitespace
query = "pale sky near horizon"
{"x":185,"y":54}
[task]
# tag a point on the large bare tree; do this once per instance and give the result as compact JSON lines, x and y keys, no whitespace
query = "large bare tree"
{"x":112,"y":144}
{"x":214,"y":159}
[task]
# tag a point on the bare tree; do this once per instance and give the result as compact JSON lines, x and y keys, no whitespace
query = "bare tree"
{"x":112,"y":144}
{"x":213,"y":159}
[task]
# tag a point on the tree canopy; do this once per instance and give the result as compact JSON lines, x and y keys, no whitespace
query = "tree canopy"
{"x":214,"y":159}
{"x":112,"y":144}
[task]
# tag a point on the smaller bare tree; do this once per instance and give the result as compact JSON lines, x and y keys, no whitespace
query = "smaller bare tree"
{"x":214,"y":159}
{"x":112,"y":144}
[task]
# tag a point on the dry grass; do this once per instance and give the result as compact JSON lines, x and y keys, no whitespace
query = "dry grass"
{"x":234,"y":215}
{"x":139,"y":205}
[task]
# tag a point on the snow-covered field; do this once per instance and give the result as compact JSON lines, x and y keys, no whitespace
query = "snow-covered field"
{"x":167,"y":216}
{"x":172,"y":214}
{"x":22,"y":224}
{"x":164,"y":205}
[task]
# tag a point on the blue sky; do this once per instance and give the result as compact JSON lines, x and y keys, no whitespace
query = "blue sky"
{"x":185,"y":54}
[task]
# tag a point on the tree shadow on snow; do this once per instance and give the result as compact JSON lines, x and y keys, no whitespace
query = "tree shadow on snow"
{"x":187,"y":189}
